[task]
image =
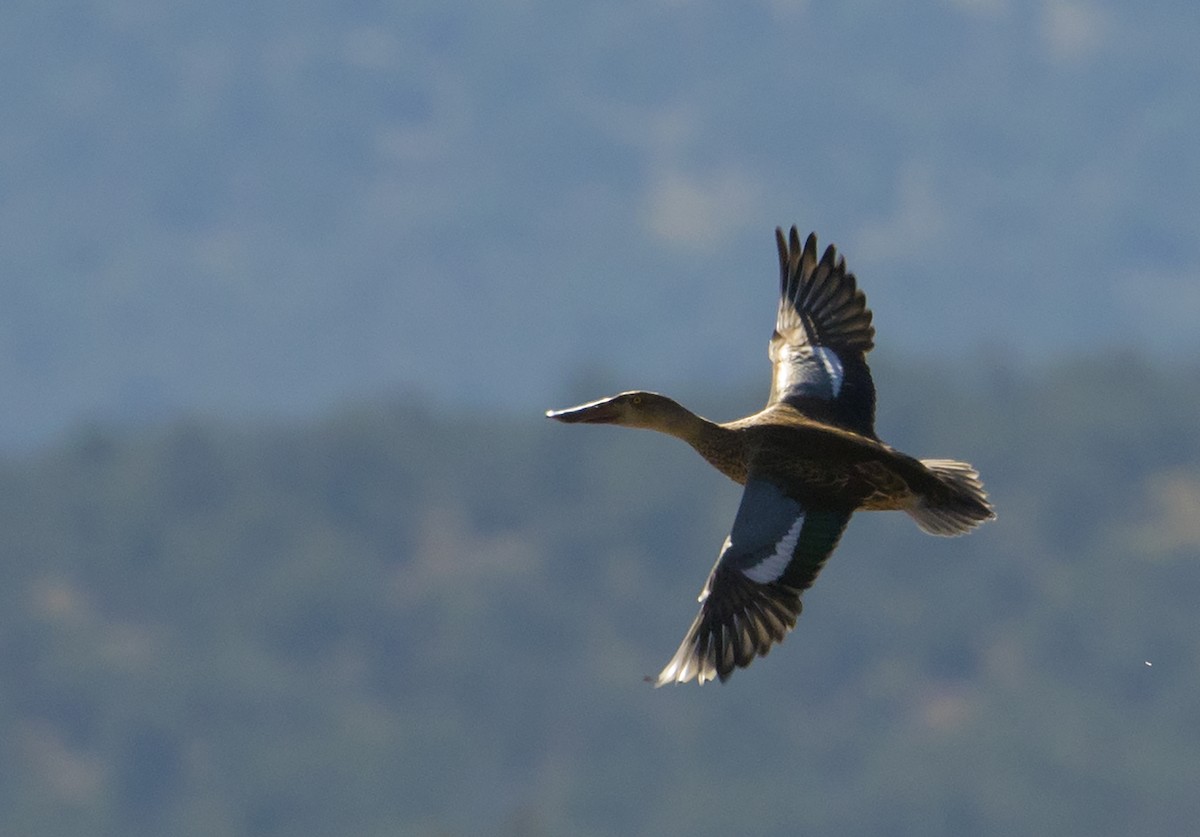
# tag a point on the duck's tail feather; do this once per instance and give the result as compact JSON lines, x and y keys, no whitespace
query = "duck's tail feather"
{"x":959,"y":506}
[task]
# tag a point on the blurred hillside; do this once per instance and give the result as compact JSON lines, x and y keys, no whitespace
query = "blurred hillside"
{"x":266,"y":209}
{"x":400,"y":620}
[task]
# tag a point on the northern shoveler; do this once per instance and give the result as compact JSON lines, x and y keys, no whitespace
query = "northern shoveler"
{"x":808,"y":461}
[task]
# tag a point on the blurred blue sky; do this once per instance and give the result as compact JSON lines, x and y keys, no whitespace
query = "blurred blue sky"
{"x":246,"y":211}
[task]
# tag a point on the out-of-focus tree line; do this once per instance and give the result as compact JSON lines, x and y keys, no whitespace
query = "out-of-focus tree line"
{"x":404,"y":620}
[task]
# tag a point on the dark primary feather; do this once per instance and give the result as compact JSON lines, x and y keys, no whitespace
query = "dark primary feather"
{"x":822,"y":334}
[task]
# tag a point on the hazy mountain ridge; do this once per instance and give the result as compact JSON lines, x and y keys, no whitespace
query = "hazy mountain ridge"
{"x":404,"y":619}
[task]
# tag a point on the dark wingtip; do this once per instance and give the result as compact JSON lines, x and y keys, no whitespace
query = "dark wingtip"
{"x":809,"y":281}
{"x":792,"y":256}
{"x":810,"y":247}
{"x":782,"y":246}
{"x":831,"y":258}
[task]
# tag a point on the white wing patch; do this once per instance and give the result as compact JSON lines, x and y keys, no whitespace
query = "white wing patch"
{"x":833,"y":367}
{"x":784,"y":358}
{"x":773,"y":566}
{"x":814,"y":371}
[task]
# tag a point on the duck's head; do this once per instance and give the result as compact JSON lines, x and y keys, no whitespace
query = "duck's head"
{"x":631,"y":409}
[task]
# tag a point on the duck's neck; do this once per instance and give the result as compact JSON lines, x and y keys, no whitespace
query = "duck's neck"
{"x":720,"y":446}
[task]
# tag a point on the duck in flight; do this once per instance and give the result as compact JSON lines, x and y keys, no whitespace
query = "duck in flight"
{"x":808,"y":461}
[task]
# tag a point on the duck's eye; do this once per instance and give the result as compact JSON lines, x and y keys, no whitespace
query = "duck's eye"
{"x":637,"y":400}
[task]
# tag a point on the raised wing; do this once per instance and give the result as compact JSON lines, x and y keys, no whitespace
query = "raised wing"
{"x":752,"y":596}
{"x":822,"y":335}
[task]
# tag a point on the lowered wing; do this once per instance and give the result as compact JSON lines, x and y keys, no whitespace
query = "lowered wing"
{"x":752,"y":596}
